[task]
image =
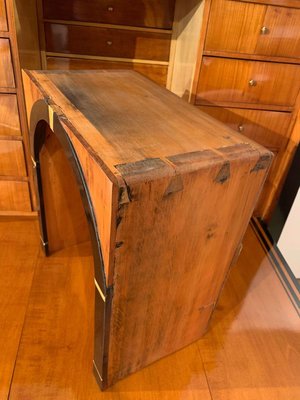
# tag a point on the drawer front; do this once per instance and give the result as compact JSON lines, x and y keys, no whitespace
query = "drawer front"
{"x":148,"y":13}
{"x":14,"y":196}
{"x":252,"y":82}
{"x":12,"y":162}
{"x":282,"y":37}
{"x":234,"y":26}
{"x":157,"y":73}
{"x":9,"y":115}
{"x":268,"y":128}
{"x":6,"y":71}
{"x":253,"y":29}
{"x":108,"y":42}
{"x":3,"y":17}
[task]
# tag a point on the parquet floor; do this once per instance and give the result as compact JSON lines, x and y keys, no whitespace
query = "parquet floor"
{"x":250,"y":352}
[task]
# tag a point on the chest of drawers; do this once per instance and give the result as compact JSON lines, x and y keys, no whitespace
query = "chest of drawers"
{"x":248,"y":76}
{"x":109,"y":34}
{"x":15,"y":177}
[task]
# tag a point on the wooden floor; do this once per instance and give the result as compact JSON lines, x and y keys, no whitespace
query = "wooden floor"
{"x":251,"y":351}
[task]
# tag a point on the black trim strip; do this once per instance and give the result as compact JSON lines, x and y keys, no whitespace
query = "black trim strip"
{"x":39,"y":121}
{"x":282,"y":268}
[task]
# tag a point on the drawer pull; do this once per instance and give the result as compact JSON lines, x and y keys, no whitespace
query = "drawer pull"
{"x":264,"y":30}
{"x":109,"y":42}
{"x":241,"y":128}
{"x":110,"y":9}
{"x":252,"y":82}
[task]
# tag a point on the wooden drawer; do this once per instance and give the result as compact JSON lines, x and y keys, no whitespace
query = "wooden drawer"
{"x":150,"y":13}
{"x":253,"y":29}
{"x":9,"y":115}
{"x":3,"y":17}
{"x":14,"y":196}
{"x":7,"y":79}
{"x":268,"y":128}
{"x":12,"y":162}
{"x":108,"y":42}
{"x":229,"y":80}
{"x":157,"y":73}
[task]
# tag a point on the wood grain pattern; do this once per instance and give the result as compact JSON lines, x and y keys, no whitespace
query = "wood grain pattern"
{"x":283,"y":37}
{"x":9,"y":116}
{"x":25,"y":15}
{"x":7,"y":79}
{"x":19,"y":249}
{"x":163,"y":160}
{"x":148,"y":13}
{"x":204,"y":228}
{"x":188,"y":21}
{"x":3,"y":17}
{"x":66,"y":281}
{"x":227,"y":80}
{"x":251,"y":339}
{"x":107,"y":42}
{"x":268,"y":128}
{"x":12,"y":158}
{"x":14,"y":196}
{"x":284,"y":3}
{"x":104,"y":195}
{"x":236,"y":27}
{"x":152,"y":122}
{"x":157,"y":73}
{"x":66,"y":219}
{"x":250,"y":351}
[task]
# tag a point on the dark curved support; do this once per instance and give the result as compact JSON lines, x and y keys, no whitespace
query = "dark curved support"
{"x":39,"y":121}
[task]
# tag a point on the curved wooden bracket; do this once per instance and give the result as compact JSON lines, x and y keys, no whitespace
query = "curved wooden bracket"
{"x":39,"y":122}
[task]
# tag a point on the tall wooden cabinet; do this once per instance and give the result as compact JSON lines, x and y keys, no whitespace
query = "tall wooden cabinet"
{"x":16,"y":189}
{"x":247,"y":75}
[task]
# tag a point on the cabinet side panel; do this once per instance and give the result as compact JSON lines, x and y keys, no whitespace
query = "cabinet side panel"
{"x":104,"y":197}
{"x":177,"y":239}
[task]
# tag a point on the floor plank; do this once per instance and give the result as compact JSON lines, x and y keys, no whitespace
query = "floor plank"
{"x":19,"y":246}
{"x":251,"y":350}
{"x":55,"y":356}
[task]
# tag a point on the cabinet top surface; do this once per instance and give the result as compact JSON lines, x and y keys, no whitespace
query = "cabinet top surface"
{"x":125,"y":118}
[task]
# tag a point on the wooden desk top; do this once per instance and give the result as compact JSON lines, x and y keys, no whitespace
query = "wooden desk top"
{"x":125,"y":118}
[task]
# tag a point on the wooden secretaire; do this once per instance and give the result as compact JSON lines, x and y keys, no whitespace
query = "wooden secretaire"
{"x":163,"y":191}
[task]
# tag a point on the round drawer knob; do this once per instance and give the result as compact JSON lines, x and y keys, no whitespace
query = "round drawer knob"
{"x":264,"y":30}
{"x":109,"y":42}
{"x":252,"y":82}
{"x":241,"y":128}
{"x":110,"y":9}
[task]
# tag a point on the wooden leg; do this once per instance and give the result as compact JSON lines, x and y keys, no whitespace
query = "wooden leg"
{"x":66,"y":220}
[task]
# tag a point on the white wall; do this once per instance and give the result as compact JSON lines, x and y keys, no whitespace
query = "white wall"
{"x":289,"y":241}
